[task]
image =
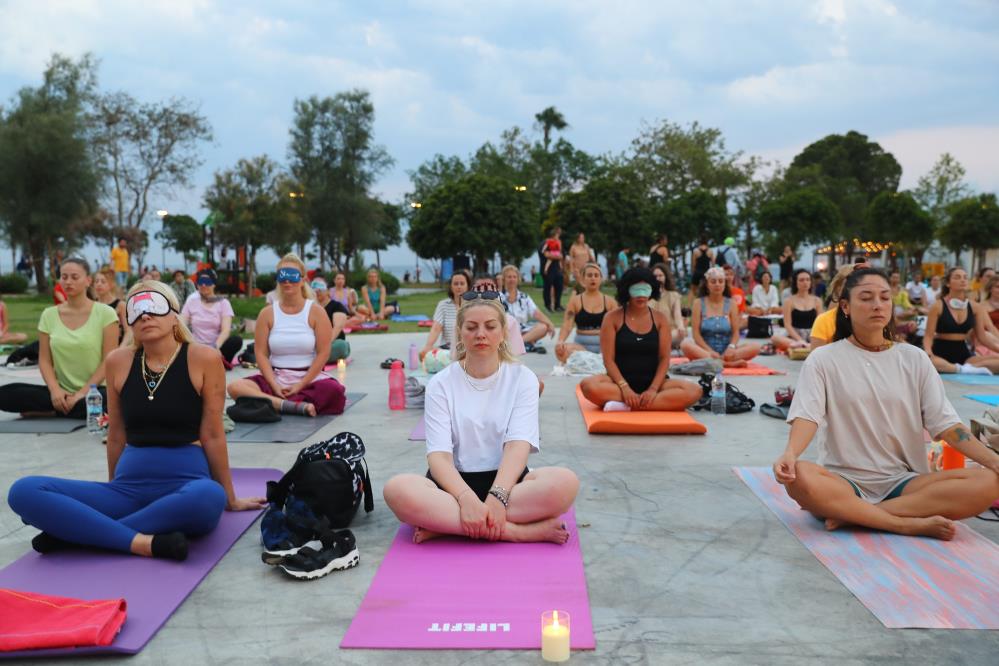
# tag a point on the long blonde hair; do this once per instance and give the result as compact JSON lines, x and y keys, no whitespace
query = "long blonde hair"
{"x":292,"y":258}
{"x":505,"y":355}
{"x":180,"y":331}
{"x":109,"y":275}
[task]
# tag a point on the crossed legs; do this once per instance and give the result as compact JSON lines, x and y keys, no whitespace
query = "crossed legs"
{"x":674,"y":395}
{"x":536,"y":503}
{"x":927,"y":506}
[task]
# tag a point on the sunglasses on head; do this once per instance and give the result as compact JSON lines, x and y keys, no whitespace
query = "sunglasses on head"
{"x":151,"y":303}
{"x":486,"y":295}
{"x":289,"y":275}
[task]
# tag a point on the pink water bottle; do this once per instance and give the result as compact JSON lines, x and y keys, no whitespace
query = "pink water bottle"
{"x":397,"y":386}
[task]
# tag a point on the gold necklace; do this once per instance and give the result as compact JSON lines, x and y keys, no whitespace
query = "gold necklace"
{"x":468,"y":379}
{"x":152,"y":380}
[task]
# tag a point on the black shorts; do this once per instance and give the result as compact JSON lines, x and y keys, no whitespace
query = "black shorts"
{"x":480,"y":482}
{"x":952,"y":351}
{"x":696,"y":279}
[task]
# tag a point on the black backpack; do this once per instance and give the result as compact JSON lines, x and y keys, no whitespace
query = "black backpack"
{"x":331,"y":477}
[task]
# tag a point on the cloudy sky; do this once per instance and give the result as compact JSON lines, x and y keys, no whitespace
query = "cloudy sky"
{"x":445,"y":76}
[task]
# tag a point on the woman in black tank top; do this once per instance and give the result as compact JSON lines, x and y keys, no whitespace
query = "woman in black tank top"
{"x":166,"y":448}
{"x":636,"y":346}
{"x":946,"y":338}
{"x":586,"y":322}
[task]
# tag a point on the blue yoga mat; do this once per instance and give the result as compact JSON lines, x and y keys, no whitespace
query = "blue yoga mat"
{"x":417,"y":317}
{"x":981,"y":397}
{"x":973,"y":380}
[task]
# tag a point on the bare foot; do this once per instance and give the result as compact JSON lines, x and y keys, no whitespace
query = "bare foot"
{"x":937,"y":527}
{"x":310,"y":409}
{"x":834,"y":524}
{"x":420,"y":535}
{"x":552,"y":530}
{"x":741,"y":363}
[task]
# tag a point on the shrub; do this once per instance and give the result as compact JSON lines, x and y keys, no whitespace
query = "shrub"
{"x":265,"y":281}
{"x":358,"y":279}
{"x":13,"y":283}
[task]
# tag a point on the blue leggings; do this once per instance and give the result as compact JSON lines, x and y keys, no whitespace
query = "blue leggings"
{"x":156,"y":490}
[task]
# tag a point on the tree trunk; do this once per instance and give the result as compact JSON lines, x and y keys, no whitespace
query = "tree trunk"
{"x":251,"y":265}
{"x":378,"y":259}
{"x":37,"y":249}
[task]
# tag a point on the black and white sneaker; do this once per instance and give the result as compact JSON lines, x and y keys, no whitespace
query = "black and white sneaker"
{"x":285,"y":549}
{"x":339,"y":552}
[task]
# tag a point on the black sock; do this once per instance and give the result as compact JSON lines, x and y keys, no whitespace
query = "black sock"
{"x":46,"y":543}
{"x":171,"y":546}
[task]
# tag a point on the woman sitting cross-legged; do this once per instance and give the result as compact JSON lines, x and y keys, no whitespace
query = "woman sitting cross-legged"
{"x":482,"y":424}
{"x":635,"y":343}
{"x":210,"y":317}
{"x":714,"y":325}
{"x":766,"y":300}
{"x":167,"y":459}
{"x":292,"y":343}
{"x":74,"y":338}
{"x":951,"y":321}
{"x":587,"y":322}
{"x":801,"y":309}
{"x":447,"y":312}
{"x":876,"y":397}
{"x":374,"y":295}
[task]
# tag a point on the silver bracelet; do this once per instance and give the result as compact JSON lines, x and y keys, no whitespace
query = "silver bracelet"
{"x":502,"y":494}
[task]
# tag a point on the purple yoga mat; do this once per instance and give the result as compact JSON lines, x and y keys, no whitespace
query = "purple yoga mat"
{"x":906,"y":582}
{"x":419,"y":432}
{"x":453,"y":593}
{"x":153,"y":588}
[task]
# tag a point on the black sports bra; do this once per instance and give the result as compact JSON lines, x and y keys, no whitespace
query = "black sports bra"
{"x":589,"y":321}
{"x":947,"y":324}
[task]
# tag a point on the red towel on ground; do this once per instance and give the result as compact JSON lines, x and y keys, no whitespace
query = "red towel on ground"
{"x":31,"y":621}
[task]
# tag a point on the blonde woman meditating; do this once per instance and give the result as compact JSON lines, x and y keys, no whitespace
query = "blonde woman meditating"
{"x":482,"y":424}
{"x":374,"y":295}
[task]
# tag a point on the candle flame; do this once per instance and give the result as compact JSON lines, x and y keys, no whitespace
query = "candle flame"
{"x":555,"y":619}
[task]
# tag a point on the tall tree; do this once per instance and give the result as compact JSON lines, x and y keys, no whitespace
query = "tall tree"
{"x":334,"y":158}
{"x":800,"y":216}
{"x":48,"y":176}
{"x":183,"y":234}
{"x":973,"y":223}
{"x":478,"y":215}
{"x":896,"y":217}
{"x":387,"y":231}
{"x":849,"y":170}
{"x":938,"y":189}
{"x":547,"y":120}
{"x":146,"y":151}
{"x":253,"y":209}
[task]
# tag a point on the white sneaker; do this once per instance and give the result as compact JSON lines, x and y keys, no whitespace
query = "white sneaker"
{"x":616,"y":406}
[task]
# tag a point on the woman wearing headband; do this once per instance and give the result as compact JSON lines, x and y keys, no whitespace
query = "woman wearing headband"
{"x":587,"y":322}
{"x":73,"y":340}
{"x":167,"y":460}
{"x":482,"y":424}
{"x":292,"y":343}
{"x":210,"y":317}
{"x":635,"y":342}
{"x":714,"y":324}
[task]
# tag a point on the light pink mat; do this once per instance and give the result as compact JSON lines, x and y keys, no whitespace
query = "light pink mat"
{"x":419,"y":432}
{"x":453,"y":593}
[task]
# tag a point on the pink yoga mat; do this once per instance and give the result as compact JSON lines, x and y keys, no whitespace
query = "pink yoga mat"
{"x":419,"y":432}
{"x":153,"y":588}
{"x":454,"y":593}
{"x":906,"y":582}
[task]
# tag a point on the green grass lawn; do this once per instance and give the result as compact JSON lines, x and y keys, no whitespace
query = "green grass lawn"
{"x":23,"y":311}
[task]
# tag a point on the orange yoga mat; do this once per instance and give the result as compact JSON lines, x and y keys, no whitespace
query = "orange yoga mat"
{"x":637,"y":423}
{"x":753,"y":369}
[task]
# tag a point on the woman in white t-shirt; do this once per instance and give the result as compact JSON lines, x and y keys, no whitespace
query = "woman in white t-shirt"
{"x":482,"y":424}
{"x":876,"y":398}
{"x":766,"y":300}
{"x":210,"y":317}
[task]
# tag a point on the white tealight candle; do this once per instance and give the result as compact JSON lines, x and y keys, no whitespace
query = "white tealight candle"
{"x":555,"y":636}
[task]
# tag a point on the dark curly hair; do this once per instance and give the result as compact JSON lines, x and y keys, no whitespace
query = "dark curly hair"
{"x":844,"y":327}
{"x":634,"y":276}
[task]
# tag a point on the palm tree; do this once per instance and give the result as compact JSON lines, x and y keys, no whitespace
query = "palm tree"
{"x":550,"y":118}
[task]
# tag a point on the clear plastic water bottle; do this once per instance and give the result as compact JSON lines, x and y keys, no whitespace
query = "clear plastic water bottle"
{"x":717,"y":395}
{"x":414,"y":357}
{"x":95,"y":409}
{"x":397,"y":386}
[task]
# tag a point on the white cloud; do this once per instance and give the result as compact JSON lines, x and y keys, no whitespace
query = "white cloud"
{"x":831,"y":11}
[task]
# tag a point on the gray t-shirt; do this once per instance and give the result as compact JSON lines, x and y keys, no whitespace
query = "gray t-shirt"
{"x":875,"y":406}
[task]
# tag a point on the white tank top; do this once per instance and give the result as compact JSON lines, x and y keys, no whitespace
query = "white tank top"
{"x":292,"y":341}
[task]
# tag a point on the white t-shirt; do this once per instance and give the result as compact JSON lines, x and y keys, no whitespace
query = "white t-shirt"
{"x":765,"y":300}
{"x":523,"y":308}
{"x":445,"y":315}
{"x":473,"y":425}
{"x":917,"y":292}
{"x":875,"y":406}
{"x":206,"y":318}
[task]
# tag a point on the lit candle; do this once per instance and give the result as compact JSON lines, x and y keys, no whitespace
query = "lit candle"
{"x":341,"y":369}
{"x":555,"y":636}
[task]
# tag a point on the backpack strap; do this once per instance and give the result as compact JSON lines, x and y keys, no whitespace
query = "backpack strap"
{"x":369,"y":498}
{"x":277,"y":491}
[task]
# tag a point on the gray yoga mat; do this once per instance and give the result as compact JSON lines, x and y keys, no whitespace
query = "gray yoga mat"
{"x":289,"y":429}
{"x":42,"y":425}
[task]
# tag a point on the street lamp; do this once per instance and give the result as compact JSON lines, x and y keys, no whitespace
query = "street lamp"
{"x":520,"y":188}
{"x":297,"y":195}
{"x":415,"y":204}
{"x":162,"y":213}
